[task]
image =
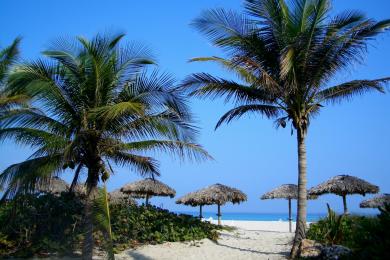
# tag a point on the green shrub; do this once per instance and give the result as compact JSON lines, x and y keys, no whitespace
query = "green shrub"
{"x":36,"y":225}
{"x":331,"y":230}
{"x":149,"y":224}
{"x":368,"y":237}
{"x":48,"y":224}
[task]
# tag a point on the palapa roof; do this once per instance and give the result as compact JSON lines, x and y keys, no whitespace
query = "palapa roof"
{"x":343,"y":185}
{"x":148,"y":186}
{"x":80,"y":189}
{"x":214,"y":194}
{"x":117,"y":197}
{"x":376,"y":202}
{"x":285,"y":191}
{"x":54,"y":185}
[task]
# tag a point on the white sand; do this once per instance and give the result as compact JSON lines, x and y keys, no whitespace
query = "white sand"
{"x":251,"y":240}
{"x":277,"y":226}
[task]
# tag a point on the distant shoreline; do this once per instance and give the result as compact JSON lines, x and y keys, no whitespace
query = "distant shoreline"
{"x":239,"y":216}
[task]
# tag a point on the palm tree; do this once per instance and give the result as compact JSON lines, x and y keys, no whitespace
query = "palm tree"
{"x":8,"y":57}
{"x":284,"y":55}
{"x":95,"y":105}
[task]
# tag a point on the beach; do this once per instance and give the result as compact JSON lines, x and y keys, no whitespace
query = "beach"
{"x":249,"y":240}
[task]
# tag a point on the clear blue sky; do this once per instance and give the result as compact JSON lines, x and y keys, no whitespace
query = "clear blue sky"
{"x":351,"y":138}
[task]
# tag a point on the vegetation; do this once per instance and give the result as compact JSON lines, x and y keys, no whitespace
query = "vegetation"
{"x":285,"y":53}
{"x":32,"y":225}
{"x":8,"y":57}
{"x":368,"y":237}
{"x":149,"y":224}
{"x":331,"y":230}
{"x":53,"y":225}
{"x":95,"y":105}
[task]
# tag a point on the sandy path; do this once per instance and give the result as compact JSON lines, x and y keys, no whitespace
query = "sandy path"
{"x":247,"y":242}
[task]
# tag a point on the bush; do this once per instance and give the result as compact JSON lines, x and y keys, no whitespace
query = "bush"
{"x":48,"y":224}
{"x":368,"y":237}
{"x":149,"y":224}
{"x":37,"y":225}
{"x":334,"y":229}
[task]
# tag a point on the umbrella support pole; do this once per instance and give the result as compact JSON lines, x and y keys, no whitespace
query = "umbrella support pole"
{"x":219,"y":214}
{"x":200,"y":212}
{"x":146,"y":200}
{"x":289,"y":215}
{"x":345,"y":204}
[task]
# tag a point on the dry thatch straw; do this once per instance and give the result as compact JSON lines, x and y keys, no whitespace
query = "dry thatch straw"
{"x":80,"y":189}
{"x":191,"y":199}
{"x":55,"y":185}
{"x":285,"y":191}
{"x":376,"y":202}
{"x":215,"y":194}
{"x":344,"y":185}
{"x":147,"y":188}
{"x":117,"y":197}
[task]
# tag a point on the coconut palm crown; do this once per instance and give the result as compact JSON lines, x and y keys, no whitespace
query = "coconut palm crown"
{"x":95,"y":105}
{"x":284,"y":54}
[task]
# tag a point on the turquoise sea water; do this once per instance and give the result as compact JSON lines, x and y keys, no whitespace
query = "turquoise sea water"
{"x":254,"y":216}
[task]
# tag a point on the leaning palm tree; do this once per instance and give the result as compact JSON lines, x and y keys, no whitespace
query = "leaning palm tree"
{"x":95,"y":105}
{"x":8,"y":57}
{"x":285,"y":54}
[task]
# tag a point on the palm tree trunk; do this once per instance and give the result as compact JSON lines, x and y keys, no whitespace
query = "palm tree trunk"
{"x":92,"y":193}
{"x":300,"y":231}
{"x":200,"y":212}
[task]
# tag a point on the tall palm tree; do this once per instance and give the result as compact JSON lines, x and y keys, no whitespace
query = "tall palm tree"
{"x":285,"y":54}
{"x":95,"y":105}
{"x":8,"y":56}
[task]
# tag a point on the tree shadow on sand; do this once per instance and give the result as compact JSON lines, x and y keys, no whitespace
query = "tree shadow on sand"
{"x":285,"y":254}
{"x":138,"y":256}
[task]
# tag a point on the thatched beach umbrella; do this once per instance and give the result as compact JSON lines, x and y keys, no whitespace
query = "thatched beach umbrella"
{"x":344,"y":185}
{"x":55,"y":185}
{"x":376,"y":202}
{"x":216,"y":194}
{"x":80,"y":189}
{"x":147,"y":188}
{"x":192,"y":199}
{"x":117,"y":197}
{"x":285,"y":191}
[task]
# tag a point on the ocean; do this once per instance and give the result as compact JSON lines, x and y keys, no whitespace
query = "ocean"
{"x":254,"y":216}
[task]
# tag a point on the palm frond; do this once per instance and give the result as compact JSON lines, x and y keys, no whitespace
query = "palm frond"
{"x":32,"y":137}
{"x":157,"y":92}
{"x":8,"y":56}
{"x":143,"y":165}
{"x":222,"y":27}
{"x":9,"y":102}
{"x":101,"y":215}
{"x":40,"y":81}
{"x":33,"y":118}
{"x":241,"y":72}
{"x":343,"y":47}
{"x":347,"y":90}
{"x":175,"y":148}
{"x":167,"y":124}
{"x":23,"y":177}
{"x":204,"y":85}
{"x":268,"y":111}
{"x":110,"y":113}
